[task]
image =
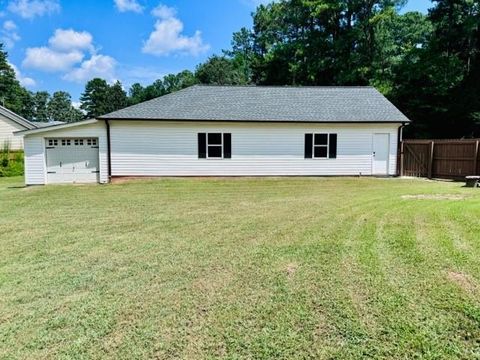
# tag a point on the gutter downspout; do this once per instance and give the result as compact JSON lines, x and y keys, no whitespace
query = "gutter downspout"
{"x":109,"y":151}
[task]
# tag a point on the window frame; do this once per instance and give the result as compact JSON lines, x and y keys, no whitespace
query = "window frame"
{"x":221,"y":146}
{"x":327,"y":146}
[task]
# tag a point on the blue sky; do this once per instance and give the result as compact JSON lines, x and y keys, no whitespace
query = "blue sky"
{"x":60,"y":44}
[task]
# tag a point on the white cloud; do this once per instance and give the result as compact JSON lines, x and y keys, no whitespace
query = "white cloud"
{"x":66,"y":53}
{"x":128,"y":5}
{"x":66,"y":49}
{"x":66,"y":40}
{"x":164,"y":12}
{"x":8,"y":34}
{"x":24,"y":80}
{"x":167,"y":37}
{"x":102,"y":66}
{"x":9,"y":25}
{"x":48,"y":60}
{"x":28,"y":9}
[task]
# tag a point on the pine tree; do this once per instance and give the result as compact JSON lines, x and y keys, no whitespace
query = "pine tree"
{"x":60,"y":108}
{"x":40,"y":100}
{"x":117,"y":97}
{"x":95,"y":98}
{"x":12,"y":94}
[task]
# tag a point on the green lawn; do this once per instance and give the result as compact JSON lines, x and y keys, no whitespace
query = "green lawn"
{"x":243,"y":268}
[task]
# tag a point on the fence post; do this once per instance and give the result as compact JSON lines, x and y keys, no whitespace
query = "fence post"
{"x":430,"y":160}
{"x":475,"y":159}
{"x":402,"y":160}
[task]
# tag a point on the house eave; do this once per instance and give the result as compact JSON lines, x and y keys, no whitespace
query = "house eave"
{"x":54,"y":127}
{"x":17,"y":118}
{"x":402,"y":121}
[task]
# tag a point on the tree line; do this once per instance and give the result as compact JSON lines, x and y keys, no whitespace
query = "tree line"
{"x":427,"y":65}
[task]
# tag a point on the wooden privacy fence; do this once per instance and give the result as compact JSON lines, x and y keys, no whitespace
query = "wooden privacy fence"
{"x":444,"y":159}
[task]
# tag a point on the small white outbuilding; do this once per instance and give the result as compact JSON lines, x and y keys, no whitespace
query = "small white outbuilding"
{"x":225,"y":131}
{"x":9,"y":124}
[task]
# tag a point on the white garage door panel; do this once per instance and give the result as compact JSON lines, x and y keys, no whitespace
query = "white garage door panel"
{"x":72,"y":160}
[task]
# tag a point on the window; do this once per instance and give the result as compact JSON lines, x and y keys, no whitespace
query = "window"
{"x":320,"y":146}
{"x":214,"y":146}
{"x":66,"y":142}
{"x":78,"y":142}
{"x":92,"y":142}
{"x":52,"y":142}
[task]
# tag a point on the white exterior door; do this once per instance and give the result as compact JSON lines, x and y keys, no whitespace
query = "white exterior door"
{"x":72,"y":160}
{"x":381,"y":153}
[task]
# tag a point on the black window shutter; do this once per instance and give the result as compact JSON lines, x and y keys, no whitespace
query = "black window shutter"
{"x":308,"y":146}
{"x":332,"y":148}
{"x":227,"y":146}
{"x":202,"y":146}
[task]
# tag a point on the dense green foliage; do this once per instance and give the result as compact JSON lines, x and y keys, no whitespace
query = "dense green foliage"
{"x":101,"y":98}
{"x":240,"y":269}
{"x":11,"y":163}
{"x":428,"y":65}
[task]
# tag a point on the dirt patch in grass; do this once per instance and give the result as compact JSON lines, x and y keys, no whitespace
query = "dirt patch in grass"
{"x":463,"y":280}
{"x":291,"y":269}
{"x":434,"y":197}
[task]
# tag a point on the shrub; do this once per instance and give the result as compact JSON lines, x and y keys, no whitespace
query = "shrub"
{"x":11,"y":164}
{"x":5,"y":155}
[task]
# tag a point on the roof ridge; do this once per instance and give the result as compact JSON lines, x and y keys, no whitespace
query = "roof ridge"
{"x":291,"y":86}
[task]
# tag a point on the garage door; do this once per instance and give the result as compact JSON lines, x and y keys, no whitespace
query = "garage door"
{"x":72,"y":160}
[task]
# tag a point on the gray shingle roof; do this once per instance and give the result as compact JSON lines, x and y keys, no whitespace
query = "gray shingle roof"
{"x":267,"y":104}
{"x":40,"y":124}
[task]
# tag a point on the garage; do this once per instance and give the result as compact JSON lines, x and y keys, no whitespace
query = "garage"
{"x":72,"y":160}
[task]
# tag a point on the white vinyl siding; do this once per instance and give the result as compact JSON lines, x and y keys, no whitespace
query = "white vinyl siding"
{"x":7,"y":128}
{"x":35,"y":160}
{"x":155,"y":148}
{"x":35,"y":173}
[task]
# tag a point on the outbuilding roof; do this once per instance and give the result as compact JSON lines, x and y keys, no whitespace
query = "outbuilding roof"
{"x":267,"y":104}
{"x":42,"y":124}
{"x":16,"y":118}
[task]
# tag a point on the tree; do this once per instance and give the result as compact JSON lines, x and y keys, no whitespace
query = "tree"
{"x":438,"y":83}
{"x":179,"y":81}
{"x":94,"y":100}
{"x":40,"y":101}
{"x":316,"y":42}
{"x":60,"y":108}
{"x":219,"y":70}
{"x":117,"y":97}
{"x":154,"y":90}
{"x":160,"y":87}
{"x":100,"y":98}
{"x":243,"y":52}
{"x":12,"y":94}
{"x":136,"y":94}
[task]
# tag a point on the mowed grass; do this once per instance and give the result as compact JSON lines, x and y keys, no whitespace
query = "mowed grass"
{"x":240,"y":269}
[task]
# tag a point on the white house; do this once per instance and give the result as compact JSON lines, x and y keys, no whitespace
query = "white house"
{"x":225,"y":131}
{"x":9,"y":124}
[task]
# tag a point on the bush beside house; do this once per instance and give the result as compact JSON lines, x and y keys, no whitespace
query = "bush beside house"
{"x":11,"y":162}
